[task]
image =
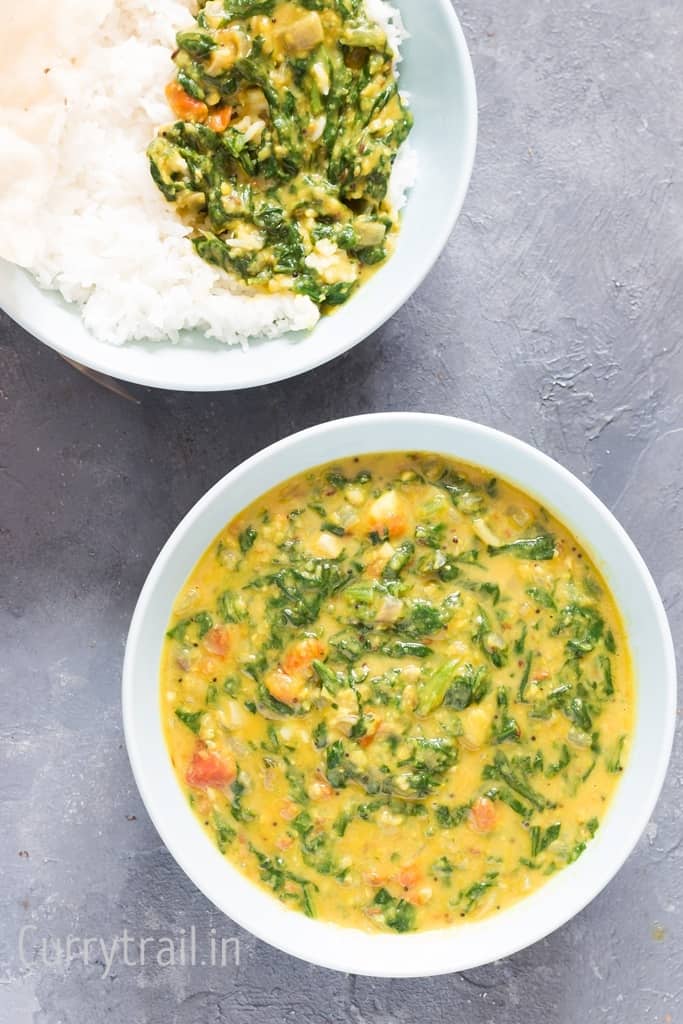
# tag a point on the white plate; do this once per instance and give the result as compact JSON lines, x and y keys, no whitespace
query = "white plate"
{"x":467,"y":945}
{"x":437,"y":72}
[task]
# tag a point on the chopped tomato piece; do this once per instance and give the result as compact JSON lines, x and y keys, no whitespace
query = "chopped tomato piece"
{"x":372,"y":878}
{"x":219,"y":118}
{"x":377,"y":559}
{"x":320,"y":789}
{"x":302,"y":655}
{"x":217,"y":640}
{"x":186,"y":107}
{"x":409,"y":876}
{"x":370,"y":733}
{"x":209,"y":666}
{"x":483,"y":815}
{"x":418,"y":897}
{"x":396,"y":525}
{"x":210,"y":769}
{"x":289,"y":810}
{"x":388,"y":513}
{"x":283,"y":687}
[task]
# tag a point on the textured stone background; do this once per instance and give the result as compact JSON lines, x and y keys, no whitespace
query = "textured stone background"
{"x":556,"y":315}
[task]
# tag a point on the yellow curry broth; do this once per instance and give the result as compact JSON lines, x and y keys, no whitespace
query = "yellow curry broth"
{"x":397,"y":693}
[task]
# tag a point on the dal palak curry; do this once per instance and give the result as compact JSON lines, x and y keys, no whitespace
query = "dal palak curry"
{"x":397,"y":693}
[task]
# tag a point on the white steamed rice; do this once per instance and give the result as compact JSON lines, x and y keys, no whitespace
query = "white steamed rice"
{"x":102,"y":234}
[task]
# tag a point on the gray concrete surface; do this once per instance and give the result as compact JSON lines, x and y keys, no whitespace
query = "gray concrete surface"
{"x":556,"y":315}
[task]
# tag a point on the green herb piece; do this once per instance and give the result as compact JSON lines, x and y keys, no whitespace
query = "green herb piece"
{"x":272,"y":742}
{"x":607,"y":680}
{"x":451,"y":817}
{"x":302,"y":588}
{"x":296,"y":781}
{"x":225,"y":833}
{"x":398,"y":561}
{"x":542,"y":597}
{"x":520,"y":642}
{"x":431,"y":535}
{"x":503,"y":770}
{"x":398,"y":914}
{"x":542,"y":838}
{"x":335,"y":765}
{"x":577,"y":712}
{"x":348,"y":645}
{"x":197,"y":44}
{"x":406,"y":649}
{"x":338,"y":531}
{"x":331,"y":681}
{"x":339,"y":481}
{"x":613,"y":760}
{"x":524,"y":681}
{"x":237,"y":809}
{"x":342,"y":822}
{"x":231,"y":607}
{"x":320,"y":735}
{"x":192,"y":719}
{"x":492,"y":644}
{"x":430,"y":760}
{"x":202,"y":620}
{"x":506,"y":796}
{"x":247,"y":8}
{"x":535,"y":549}
{"x":433,"y":690}
{"x":246,"y":539}
{"x":469,"y":687}
{"x":442,"y":869}
{"x":586,"y":626}
{"x":231,"y":686}
{"x":505,"y":726}
{"x":473,"y":893}
{"x":575,"y":852}
{"x":274,"y":874}
{"x":559,"y":765}
{"x":491,"y":590}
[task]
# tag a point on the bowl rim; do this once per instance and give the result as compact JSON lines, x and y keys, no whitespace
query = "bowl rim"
{"x":311,"y":949}
{"x":22,"y":312}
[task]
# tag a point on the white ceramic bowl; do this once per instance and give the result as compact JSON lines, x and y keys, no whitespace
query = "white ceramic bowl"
{"x":466,"y":945}
{"x":437,"y":72}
